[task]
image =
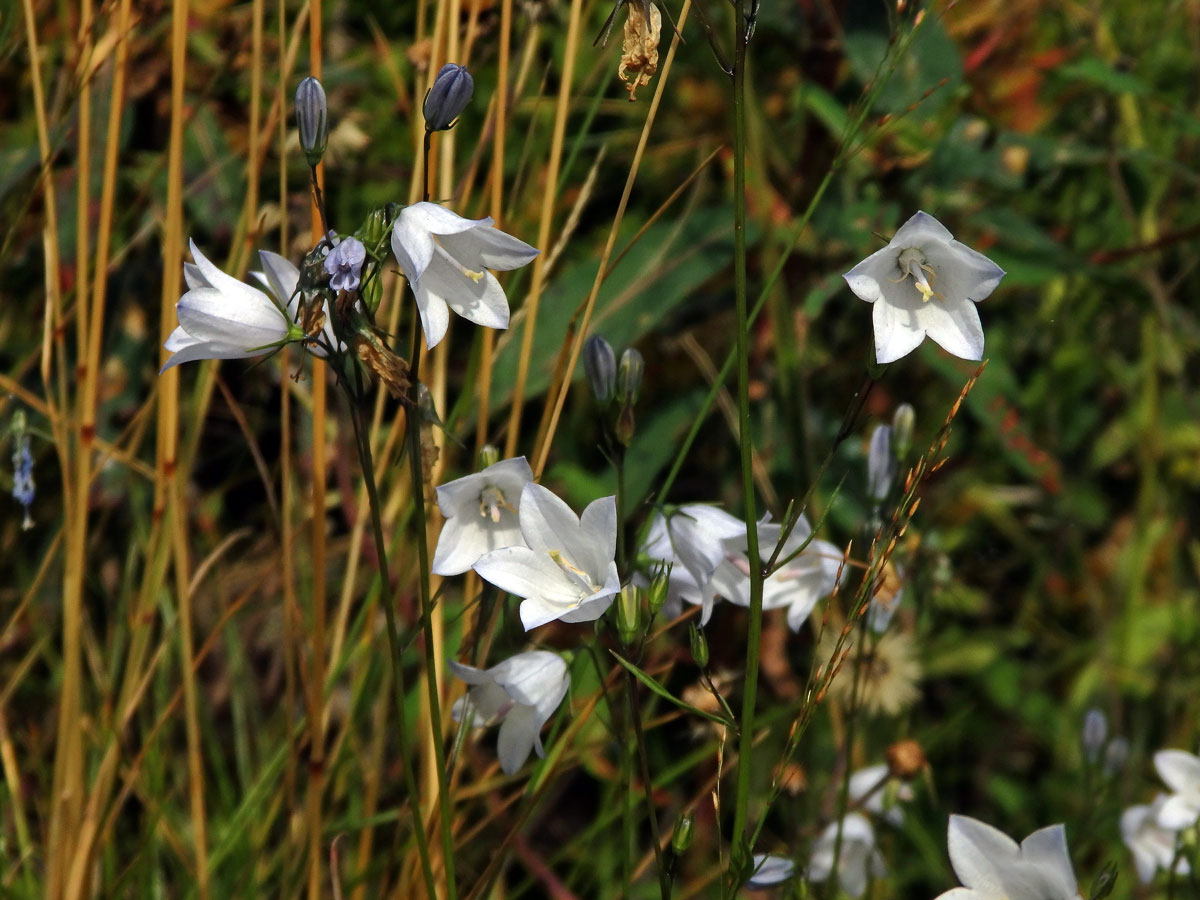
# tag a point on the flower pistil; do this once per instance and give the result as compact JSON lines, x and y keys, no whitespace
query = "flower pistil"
{"x":912,"y":262}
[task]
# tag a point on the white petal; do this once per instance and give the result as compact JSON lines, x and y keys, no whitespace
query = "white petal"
{"x":197,"y":350}
{"x":516,"y":738}
{"x":898,"y":332}
{"x":1046,"y":850}
{"x":194,"y":277}
{"x":920,"y":230}
{"x":590,"y":609}
{"x":978,"y":853}
{"x":1180,"y":770}
{"x":213,"y":276}
{"x":874,"y":275}
{"x":962,"y":893}
{"x":598,"y":524}
{"x":469,"y":674}
{"x":486,"y":247}
{"x":246,"y":319}
{"x":549,"y":525}
{"x":537,"y":678}
{"x":954,"y":326}
{"x":480,"y":301}
{"x":526,"y":573}
{"x":962,"y":273}
{"x":769,"y":870}
{"x":435,"y":316}
{"x":412,"y":236}
{"x":281,"y":276}
{"x":1178,"y":812}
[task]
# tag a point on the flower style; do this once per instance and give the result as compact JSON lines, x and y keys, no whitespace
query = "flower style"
{"x":798,"y":584}
{"x":873,"y":788}
{"x":992,"y":866}
{"x":521,"y":693}
{"x":567,"y":568}
{"x":692,"y":542}
{"x":1181,"y":772}
{"x":768,"y":870}
{"x":479,"y":515}
{"x":446,"y":260}
{"x":925,"y":283}
{"x":858,"y":861}
{"x":1152,"y":846}
{"x":222,"y":318}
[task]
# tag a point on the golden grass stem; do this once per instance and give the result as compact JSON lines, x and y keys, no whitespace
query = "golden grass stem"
{"x":561,"y":110}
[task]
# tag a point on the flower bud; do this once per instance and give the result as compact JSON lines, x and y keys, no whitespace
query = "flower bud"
{"x":629,"y":609}
{"x":904,"y":419}
{"x":312,"y":118}
{"x":681,"y":837}
{"x":1103,"y":884}
{"x":657,"y":594}
{"x":625,"y":425}
{"x":600,"y":363}
{"x":1095,"y":732}
{"x":489,"y":456}
{"x":629,"y":377}
{"x":699,"y":645}
{"x":449,"y":96}
{"x":881,"y":464}
{"x":1115,"y":755}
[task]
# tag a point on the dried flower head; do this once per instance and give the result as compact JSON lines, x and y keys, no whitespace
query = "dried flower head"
{"x":391,"y":369}
{"x":639,"y":53}
{"x":880,"y":677}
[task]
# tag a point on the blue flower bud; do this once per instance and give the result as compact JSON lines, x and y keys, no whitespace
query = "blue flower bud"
{"x":600,"y":363}
{"x":449,"y":96}
{"x":312,"y":118}
{"x":881,"y":464}
{"x":903,"y":421}
{"x":1095,"y":733}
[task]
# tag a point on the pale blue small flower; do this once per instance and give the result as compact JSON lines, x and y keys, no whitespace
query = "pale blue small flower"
{"x":344,"y":264}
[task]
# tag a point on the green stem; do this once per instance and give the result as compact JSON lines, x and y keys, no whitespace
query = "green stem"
{"x":740,"y":852}
{"x":406,"y":755}
{"x":412,"y":434}
{"x":664,"y":876}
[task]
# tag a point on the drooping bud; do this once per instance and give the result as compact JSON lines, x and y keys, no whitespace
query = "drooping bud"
{"x":699,"y":645}
{"x":904,"y":419}
{"x":449,"y":96}
{"x":881,"y":464}
{"x":312,"y":119}
{"x":1104,"y":882}
{"x":629,"y":377}
{"x":489,"y":456}
{"x":1095,"y":732}
{"x":681,"y":837}
{"x":600,"y":364}
{"x":629,"y":614}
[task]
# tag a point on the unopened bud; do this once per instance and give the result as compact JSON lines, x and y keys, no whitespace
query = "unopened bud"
{"x":1095,"y":732}
{"x":625,"y":426}
{"x":629,"y":377}
{"x":904,"y":420}
{"x":489,"y":456}
{"x":600,"y":363}
{"x":681,"y":837}
{"x":699,"y":645}
{"x":657,"y":593}
{"x":881,"y":464}
{"x":1115,"y":755}
{"x":312,"y":119}
{"x":629,"y":614}
{"x":378,"y":224}
{"x":449,"y":96}
{"x":1103,"y":883}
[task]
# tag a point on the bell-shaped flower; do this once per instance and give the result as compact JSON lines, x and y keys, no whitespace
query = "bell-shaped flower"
{"x":691,"y":540}
{"x":566,"y":569}
{"x":992,"y":866}
{"x":797,"y":584}
{"x":222,"y":318}
{"x":344,"y":264}
{"x":446,"y":260}
{"x":769,"y":870}
{"x":521,"y":693}
{"x":858,"y":860}
{"x":480,"y":515}
{"x":873,"y":790}
{"x":1153,"y":847}
{"x":925,"y":283}
{"x":1181,"y":771}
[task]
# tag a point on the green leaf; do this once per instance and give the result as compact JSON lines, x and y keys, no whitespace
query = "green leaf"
{"x":661,"y":691}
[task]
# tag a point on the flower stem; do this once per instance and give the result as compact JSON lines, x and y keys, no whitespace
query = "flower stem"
{"x":412,"y":430}
{"x":664,"y":876}
{"x":740,"y":852}
{"x":406,"y":755}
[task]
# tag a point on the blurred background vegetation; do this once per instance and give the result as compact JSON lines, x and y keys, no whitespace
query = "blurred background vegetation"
{"x":1052,"y":565}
